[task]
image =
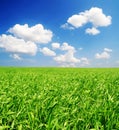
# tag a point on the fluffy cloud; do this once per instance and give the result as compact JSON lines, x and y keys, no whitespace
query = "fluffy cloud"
{"x":66,"y":47}
{"x":35,"y":33}
{"x":16,"y":56}
{"x":78,"y":20}
{"x":23,"y":39}
{"x":55,"y":45}
{"x":104,"y":55}
{"x":92,"y":31}
{"x":15,"y":45}
{"x":107,"y":50}
{"x":85,"y":61}
{"x":67,"y":59}
{"x":47,"y":52}
{"x":95,"y":16}
{"x":66,"y":26}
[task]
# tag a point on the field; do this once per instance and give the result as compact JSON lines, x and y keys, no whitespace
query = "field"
{"x":59,"y":99}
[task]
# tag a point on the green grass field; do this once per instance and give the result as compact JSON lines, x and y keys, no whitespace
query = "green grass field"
{"x":59,"y":99}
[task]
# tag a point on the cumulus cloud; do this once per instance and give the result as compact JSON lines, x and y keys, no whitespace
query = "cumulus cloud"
{"x":85,"y":61}
{"x":92,"y":31}
{"x":15,"y":45}
{"x":104,"y":55}
{"x":95,"y":16}
{"x":66,"y":47}
{"x":107,"y":50}
{"x":47,"y":52}
{"x":67,"y":26}
{"x":78,"y":20}
{"x":15,"y":56}
{"x":35,"y":33}
{"x":55,"y":45}
{"x":23,"y":40}
{"x":67,"y":59}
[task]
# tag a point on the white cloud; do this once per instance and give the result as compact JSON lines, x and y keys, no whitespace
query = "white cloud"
{"x":16,"y":56}
{"x":67,"y":26}
{"x":55,"y":45}
{"x":104,"y":55}
{"x":92,"y":31}
{"x":107,"y":50}
{"x":85,"y":61}
{"x":15,"y":45}
{"x":66,"y":47}
{"x":95,"y":16}
{"x":35,"y":33}
{"x":47,"y":52}
{"x":78,"y":20}
{"x":67,"y":59}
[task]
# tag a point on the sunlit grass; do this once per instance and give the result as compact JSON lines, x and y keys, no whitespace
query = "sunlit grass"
{"x":59,"y":99}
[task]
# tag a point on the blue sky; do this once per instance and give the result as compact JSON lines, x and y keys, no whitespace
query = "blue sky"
{"x":69,"y":33}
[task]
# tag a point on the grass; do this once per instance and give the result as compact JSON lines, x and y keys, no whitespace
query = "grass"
{"x":59,"y":99}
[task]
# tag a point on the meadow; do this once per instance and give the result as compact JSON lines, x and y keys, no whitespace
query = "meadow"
{"x":59,"y":98}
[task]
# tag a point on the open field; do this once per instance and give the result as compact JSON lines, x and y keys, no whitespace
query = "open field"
{"x":59,"y":99}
